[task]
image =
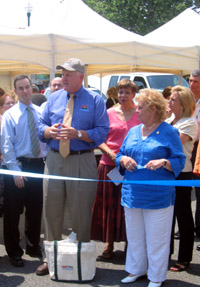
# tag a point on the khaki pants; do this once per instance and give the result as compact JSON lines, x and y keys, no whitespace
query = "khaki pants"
{"x":80,"y":195}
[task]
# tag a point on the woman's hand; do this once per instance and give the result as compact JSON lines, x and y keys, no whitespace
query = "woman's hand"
{"x":156,"y":163}
{"x":105,"y":149}
{"x":112,"y":155}
{"x":128,"y":163}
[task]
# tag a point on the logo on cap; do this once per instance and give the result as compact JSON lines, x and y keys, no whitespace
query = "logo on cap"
{"x":73,"y":64}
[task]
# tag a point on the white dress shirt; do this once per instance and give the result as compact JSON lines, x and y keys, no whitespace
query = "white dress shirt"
{"x":15,"y":135}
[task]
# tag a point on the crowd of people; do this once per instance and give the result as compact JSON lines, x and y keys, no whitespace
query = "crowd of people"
{"x":144,"y":136}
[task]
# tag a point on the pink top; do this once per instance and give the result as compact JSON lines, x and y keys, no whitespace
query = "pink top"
{"x":117,"y":133}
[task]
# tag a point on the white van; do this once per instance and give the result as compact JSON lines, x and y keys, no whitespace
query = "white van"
{"x":158,"y":81}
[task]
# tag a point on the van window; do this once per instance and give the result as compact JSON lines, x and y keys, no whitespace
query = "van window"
{"x":160,"y":82}
{"x":124,"y":77}
{"x":140,"y":82}
{"x":113,"y":81}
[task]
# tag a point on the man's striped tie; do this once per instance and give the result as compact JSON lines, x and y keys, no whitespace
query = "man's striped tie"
{"x":35,"y":146}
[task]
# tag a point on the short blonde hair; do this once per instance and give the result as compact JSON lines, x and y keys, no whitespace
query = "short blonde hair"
{"x":153,"y":98}
{"x":187,"y":100}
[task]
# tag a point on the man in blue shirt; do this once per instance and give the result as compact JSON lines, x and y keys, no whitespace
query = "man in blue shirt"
{"x":89,"y":129}
{"x":22,"y":152}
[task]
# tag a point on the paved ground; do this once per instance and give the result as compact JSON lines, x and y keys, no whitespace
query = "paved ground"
{"x":108,"y":273}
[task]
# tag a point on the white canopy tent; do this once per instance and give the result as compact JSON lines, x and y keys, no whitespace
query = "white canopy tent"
{"x":182,"y":33}
{"x":67,"y":29}
{"x":72,"y":29}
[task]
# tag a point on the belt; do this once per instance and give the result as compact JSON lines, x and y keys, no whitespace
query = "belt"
{"x":26,"y":159}
{"x":73,"y":152}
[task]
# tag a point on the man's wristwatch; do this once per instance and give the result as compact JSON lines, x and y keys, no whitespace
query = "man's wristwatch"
{"x":79,"y":133}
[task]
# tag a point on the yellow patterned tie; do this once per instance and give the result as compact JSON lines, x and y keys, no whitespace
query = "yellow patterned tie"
{"x":35,"y":146}
{"x":67,"y":121}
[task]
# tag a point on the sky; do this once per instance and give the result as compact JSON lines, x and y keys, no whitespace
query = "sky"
{"x":14,"y":14}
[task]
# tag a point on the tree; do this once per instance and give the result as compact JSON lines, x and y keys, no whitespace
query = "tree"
{"x":141,"y":16}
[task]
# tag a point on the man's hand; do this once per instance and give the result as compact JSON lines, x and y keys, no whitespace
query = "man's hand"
{"x":68,"y":133}
{"x":19,"y":181}
{"x":61,"y":132}
{"x":52,"y":132}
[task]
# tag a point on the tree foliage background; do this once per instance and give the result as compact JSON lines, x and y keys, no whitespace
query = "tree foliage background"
{"x":141,"y":16}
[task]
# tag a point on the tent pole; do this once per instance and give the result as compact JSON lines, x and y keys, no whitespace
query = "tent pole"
{"x":52,"y":73}
{"x":101,"y":83}
{"x":11,"y":81}
{"x":181,"y":78}
{"x":86,"y":77}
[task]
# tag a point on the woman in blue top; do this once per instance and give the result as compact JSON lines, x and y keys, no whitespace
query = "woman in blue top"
{"x":150,"y":151}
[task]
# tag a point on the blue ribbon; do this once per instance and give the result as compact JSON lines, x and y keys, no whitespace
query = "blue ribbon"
{"x":195,"y":183}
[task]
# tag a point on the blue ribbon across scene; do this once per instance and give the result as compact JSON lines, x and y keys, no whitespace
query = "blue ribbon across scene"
{"x":195,"y":183}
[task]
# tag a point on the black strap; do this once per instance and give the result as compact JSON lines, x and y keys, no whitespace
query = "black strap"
{"x":55,"y":260}
{"x":114,"y":101}
{"x":79,"y":261}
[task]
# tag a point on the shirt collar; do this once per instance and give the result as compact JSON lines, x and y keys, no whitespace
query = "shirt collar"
{"x":23,"y":107}
{"x":77,"y":93}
